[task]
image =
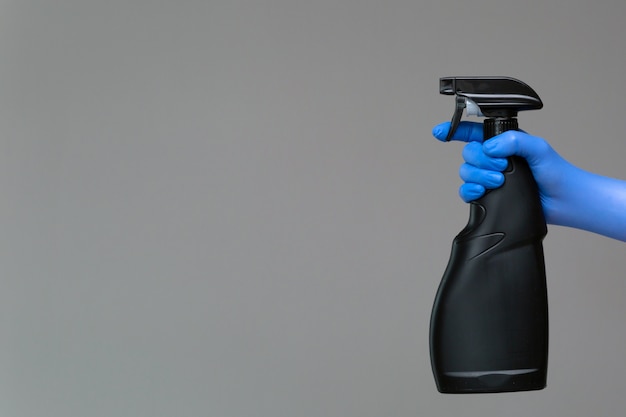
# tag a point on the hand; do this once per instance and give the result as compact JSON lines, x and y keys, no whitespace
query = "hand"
{"x":569,"y":195}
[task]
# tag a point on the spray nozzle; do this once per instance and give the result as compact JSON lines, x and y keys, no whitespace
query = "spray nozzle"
{"x":496,"y":97}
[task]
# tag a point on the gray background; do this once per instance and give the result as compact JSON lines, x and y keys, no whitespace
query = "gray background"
{"x":236,"y":208}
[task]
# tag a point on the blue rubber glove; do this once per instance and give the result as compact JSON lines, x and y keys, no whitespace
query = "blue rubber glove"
{"x":569,"y":195}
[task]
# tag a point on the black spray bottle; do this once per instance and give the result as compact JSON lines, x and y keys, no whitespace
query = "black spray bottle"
{"x":489,"y":324}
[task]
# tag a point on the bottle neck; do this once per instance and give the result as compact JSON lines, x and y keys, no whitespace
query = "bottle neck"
{"x":495,"y":126}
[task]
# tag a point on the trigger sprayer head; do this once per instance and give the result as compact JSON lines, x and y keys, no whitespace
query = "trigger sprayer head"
{"x":498,"y":97}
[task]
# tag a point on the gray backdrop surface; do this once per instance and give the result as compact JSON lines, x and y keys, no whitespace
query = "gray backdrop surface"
{"x":235,"y":208}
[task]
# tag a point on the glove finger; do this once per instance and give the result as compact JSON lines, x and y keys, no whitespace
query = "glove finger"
{"x":465,"y":132}
{"x":470,"y":192}
{"x":474,"y":155}
{"x":487,"y":178}
{"x":517,"y":143}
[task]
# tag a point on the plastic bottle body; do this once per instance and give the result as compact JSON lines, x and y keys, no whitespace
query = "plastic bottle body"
{"x":489,"y":326}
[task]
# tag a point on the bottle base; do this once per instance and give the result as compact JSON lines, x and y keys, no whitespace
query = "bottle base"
{"x":491,"y":381}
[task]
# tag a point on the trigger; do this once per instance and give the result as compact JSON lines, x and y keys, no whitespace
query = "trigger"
{"x":456,"y":117}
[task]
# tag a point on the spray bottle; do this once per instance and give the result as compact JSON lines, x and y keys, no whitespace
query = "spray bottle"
{"x":489,"y":324}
